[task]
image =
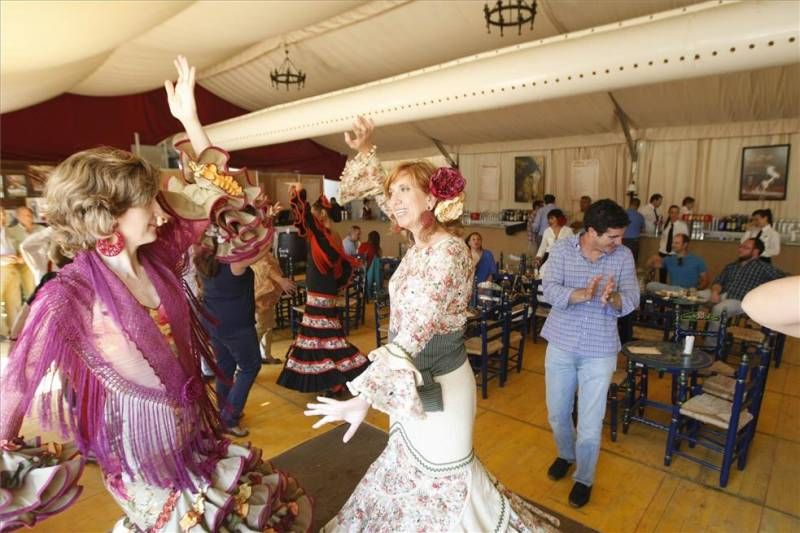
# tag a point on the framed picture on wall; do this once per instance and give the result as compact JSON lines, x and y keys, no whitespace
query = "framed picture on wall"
{"x":15,"y":185}
{"x":764,"y":173}
{"x":528,"y":178}
{"x":37,"y":177}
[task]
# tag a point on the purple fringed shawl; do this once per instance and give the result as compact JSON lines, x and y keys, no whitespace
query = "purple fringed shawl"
{"x":128,"y":427}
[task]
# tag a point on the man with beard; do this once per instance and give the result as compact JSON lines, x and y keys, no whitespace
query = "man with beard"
{"x":740,"y":277}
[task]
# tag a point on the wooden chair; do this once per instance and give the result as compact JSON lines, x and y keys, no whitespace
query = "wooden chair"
{"x":619,"y":381}
{"x":539,"y":310}
{"x":698,"y":324}
{"x":744,"y":333}
{"x":487,"y":350}
{"x":618,"y":386}
{"x":352,"y":302}
{"x":653,"y":320}
{"x":724,"y":425}
{"x":284,"y":308}
{"x":389,"y":265}
{"x":515,"y":326}
{"x":381,"y":317}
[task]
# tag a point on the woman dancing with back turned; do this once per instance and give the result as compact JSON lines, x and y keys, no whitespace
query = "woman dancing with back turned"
{"x":123,"y":336}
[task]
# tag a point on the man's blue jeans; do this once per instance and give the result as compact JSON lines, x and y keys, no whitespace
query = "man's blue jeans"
{"x":564,"y":373}
{"x":236,"y":348}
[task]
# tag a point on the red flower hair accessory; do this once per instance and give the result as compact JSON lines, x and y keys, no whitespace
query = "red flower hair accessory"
{"x":446,"y":183}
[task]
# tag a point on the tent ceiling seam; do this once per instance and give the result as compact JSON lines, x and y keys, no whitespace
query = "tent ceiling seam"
{"x":271,"y":44}
{"x":557,"y":24}
{"x":115,"y":48}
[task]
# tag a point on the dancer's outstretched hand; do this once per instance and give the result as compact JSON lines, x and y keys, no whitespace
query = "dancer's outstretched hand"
{"x":181,"y":96}
{"x":361,"y":141}
{"x":352,"y":411}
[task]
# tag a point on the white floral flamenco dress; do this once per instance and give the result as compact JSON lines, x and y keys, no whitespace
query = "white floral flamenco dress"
{"x":428,"y":477}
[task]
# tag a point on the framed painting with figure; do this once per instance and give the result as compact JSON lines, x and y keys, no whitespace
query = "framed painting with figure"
{"x":528,"y":178}
{"x":765,"y":172}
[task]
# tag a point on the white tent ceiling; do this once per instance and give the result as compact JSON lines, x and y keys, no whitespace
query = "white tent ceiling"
{"x":122,"y":47}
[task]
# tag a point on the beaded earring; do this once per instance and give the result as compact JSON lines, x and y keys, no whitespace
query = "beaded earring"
{"x":111,"y":246}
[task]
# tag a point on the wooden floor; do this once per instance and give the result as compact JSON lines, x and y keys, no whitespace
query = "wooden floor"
{"x":633,"y":491}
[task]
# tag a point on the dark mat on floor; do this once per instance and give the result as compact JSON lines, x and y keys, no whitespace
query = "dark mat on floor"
{"x":330,"y":470}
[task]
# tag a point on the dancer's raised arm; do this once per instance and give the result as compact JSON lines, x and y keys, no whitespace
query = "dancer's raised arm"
{"x":182,"y":104}
{"x":363,"y":175}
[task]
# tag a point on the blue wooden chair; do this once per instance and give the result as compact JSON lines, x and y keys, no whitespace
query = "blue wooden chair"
{"x":724,"y":423}
{"x":744,"y":334}
{"x":352,"y":305}
{"x":381,"y":304}
{"x":515,"y":326}
{"x":653,"y":320}
{"x":486,"y":349}
{"x":539,"y":310}
{"x":698,"y":324}
{"x":287,"y":305}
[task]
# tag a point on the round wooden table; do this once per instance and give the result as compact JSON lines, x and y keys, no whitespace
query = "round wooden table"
{"x":669,"y":358}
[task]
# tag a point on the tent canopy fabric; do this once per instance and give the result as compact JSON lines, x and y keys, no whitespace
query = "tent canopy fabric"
{"x":88,"y":54}
{"x":53,"y":130}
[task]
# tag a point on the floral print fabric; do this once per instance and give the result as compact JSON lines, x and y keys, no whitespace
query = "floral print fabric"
{"x":396,"y":494}
{"x":429,"y":292}
{"x":388,"y":389}
{"x":362,"y":177}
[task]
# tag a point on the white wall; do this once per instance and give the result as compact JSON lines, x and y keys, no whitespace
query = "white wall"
{"x":699,"y":161}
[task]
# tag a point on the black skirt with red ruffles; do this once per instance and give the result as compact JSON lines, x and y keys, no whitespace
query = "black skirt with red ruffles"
{"x":320,"y":358}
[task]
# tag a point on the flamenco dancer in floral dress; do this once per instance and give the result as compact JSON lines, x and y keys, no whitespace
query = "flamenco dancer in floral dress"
{"x":124,"y":339}
{"x":427,"y":478}
{"x":321,"y":358}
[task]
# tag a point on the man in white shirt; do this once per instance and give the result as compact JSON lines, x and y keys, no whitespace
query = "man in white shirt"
{"x":350,"y":243}
{"x":650,"y":213}
{"x":10,"y":280}
{"x":761,"y":228}
{"x":674,"y":226}
{"x":540,"y":222}
{"x":687,"y":206}
{"x":26,"y":226}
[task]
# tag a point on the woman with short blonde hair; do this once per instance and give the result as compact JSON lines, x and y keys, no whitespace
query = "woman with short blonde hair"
{"x":118,"y":327}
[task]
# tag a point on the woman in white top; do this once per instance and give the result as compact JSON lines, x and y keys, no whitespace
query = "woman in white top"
{"x":557,"y":230}
{"x":687,"y":206}
{"x":761,"y":228}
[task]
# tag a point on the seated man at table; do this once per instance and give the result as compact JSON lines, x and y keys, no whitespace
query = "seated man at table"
{"x":742,"y":276}
{"x":739,"y":278}
{"x":685,"y":270}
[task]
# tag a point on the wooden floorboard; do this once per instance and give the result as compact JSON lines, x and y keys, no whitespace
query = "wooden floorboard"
{"x":633,"y":491}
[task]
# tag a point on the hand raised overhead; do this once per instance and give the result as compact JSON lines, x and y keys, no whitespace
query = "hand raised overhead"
{"x":361,"y":140}
{"x":180,"y":97}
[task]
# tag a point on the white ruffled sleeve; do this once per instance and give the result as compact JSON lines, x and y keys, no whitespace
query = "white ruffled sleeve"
{"x":363,"y":177}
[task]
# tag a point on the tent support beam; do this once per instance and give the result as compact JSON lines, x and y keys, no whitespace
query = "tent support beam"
{"x":694,"y":41}
{"x":625,"y":122}
{"x":452,"y":162}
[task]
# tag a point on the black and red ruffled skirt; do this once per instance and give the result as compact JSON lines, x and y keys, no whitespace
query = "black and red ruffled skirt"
{"x":321,"y":358}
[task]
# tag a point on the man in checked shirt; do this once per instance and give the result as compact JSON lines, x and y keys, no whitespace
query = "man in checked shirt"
{"x":590,"y":283}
